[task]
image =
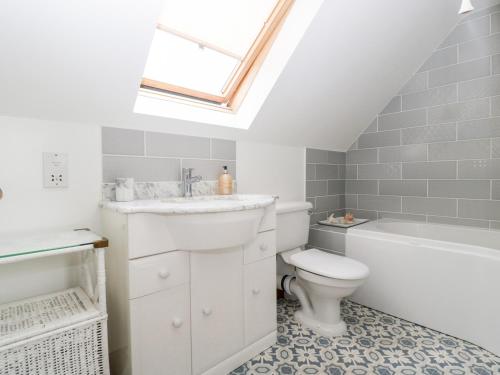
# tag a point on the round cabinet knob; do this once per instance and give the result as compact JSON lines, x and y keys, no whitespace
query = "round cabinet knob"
{"x":263,"y":247}
{"x":255,"y":291}
{"x":207,"y":311}
{"x":163,"y":274}
{"x":177,"y":323}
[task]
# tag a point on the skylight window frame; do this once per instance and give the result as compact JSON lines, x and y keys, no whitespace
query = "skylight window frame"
{"x":240,"y":80}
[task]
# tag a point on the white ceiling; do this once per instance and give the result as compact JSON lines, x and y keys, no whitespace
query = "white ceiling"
{"x":82,"y":61}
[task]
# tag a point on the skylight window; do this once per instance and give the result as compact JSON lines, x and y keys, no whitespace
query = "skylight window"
{"x":209,"y":50}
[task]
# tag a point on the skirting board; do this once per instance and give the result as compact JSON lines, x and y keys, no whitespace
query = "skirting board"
{"x":242,"y":356}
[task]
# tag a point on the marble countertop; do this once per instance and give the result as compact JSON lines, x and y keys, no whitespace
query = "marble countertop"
{"x":194,"y":205}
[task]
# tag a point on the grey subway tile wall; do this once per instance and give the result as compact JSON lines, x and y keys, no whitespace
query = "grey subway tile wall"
{"x":386,"y":171}
{"x":408,"y":153}
{"x":437,"y":157}
{"x":479,"y":88}
{"x":496,"y":64}
{"x":441,"y":57}
{"x":379,"y":139}
{"x":484,"y":128}
{"x":479,"y":48}
{"x":427,"y":170}
{"x":460,"y":150}
{"x":177,"y":146}
{"x":325,"y":182}
{"x":468,"y":31}
{"x":412,"y":188}
{"x":417,"y":83}
{"x":142,"y":169}
{"x":327,"y":238}
{"x":402,"y":119}
{"x":459,"y":72}
{"x":436,"y":96}
{"x":122,"y":142}
{"x":159,"y":157}
{"x":361,"y":156}
{"x":495,"y":106}
{"x":495,"y":23}
{"x":428,"y":134}
{"x":393,"y":106}
{"x":495,"y":190}
{"x":495,"y":148}
{"x":395,"y":215}
{"x":222,"y":149}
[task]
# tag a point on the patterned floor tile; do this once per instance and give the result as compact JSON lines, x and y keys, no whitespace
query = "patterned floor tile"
{"x":375,"y":344}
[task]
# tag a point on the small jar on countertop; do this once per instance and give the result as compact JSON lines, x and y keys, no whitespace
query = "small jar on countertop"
{"x":124,"y":189}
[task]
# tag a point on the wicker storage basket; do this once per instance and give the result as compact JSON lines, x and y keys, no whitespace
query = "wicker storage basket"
{"x":56,"y":334}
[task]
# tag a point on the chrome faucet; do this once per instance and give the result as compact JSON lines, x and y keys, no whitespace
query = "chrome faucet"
{"x":187,"y":182}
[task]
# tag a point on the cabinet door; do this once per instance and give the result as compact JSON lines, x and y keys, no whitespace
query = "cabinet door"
{"x":160,"y":333}
{"x":217,"y":306}
{"x":260,"y":299}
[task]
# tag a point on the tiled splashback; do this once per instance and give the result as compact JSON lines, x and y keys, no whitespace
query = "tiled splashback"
{"x":433,"y":154}
{"x":325,"y":182}
{"x":155,"y":161}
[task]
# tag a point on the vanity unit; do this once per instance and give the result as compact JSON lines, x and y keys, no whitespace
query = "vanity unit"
{"x":191,"y":283}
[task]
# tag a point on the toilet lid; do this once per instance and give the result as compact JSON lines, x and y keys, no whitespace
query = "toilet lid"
{"x":329,"y":265}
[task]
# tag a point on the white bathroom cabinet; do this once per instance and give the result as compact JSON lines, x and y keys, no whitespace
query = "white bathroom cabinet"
{"x":187,"y":312}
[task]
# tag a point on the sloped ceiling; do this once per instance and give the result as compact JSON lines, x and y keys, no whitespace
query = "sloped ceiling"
{"x":81,"y":61}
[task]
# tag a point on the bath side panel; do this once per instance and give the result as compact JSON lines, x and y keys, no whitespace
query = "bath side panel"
{"x":452,"y":291}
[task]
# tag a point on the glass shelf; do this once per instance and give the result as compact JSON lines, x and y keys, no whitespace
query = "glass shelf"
{"x":30,"y":244}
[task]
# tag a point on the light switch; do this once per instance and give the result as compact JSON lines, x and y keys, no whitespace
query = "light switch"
{"x":55,"y":170}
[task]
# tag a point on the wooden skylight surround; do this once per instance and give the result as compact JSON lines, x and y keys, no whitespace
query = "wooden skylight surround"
{"x":233,"y":90}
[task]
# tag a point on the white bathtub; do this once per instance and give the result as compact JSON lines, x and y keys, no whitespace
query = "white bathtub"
{"x":443,"y":277}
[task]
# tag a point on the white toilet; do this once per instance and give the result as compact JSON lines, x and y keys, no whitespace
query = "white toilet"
{"x":319,"y":280}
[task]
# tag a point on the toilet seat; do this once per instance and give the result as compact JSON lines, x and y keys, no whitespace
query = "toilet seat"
{"x":329,"y":265}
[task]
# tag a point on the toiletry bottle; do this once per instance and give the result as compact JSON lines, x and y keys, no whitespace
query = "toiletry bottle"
{"x":225,"y":183}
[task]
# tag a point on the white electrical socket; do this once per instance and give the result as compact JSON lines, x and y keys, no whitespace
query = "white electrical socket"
{"x":55,"y":170}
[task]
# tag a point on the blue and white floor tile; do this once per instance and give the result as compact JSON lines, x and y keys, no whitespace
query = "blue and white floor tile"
{"x":376,"y":343}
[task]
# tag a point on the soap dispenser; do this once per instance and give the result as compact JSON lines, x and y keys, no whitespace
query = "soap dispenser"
{"x":225,"y":182}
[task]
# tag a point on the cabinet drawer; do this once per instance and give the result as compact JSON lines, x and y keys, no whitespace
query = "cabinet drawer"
{"x":263,"y":246}
{"x":260,"y":299}
{"x":158,"y":272}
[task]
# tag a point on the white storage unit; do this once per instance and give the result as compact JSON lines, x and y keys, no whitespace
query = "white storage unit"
{"x":180,"y":312}
{"x":61,"y":333}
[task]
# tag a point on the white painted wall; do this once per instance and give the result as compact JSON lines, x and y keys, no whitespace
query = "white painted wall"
{"x":271,"y":169}
{"x":26,"y":204}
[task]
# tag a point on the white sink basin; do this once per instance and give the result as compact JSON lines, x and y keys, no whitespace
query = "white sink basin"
{"x":203,"y":223}
{"x":210,"y":231}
